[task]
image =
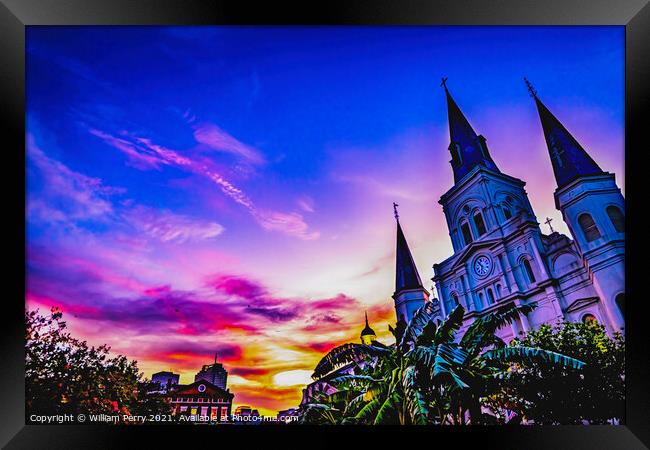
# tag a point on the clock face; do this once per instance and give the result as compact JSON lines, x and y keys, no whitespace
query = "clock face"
{"x":482,"y":265}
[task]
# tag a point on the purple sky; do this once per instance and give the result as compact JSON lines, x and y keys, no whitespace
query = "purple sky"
{"x":230,"y":189}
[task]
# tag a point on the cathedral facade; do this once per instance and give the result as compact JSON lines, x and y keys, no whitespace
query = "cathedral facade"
{"x":502,"y":257}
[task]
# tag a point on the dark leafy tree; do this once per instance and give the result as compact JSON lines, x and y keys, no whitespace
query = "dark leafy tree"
{"x":550,"y":394}
{"x":65,"y":375}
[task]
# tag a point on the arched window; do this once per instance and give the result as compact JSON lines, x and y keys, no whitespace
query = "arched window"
{"x":490,"y":296}
{"x":620,"y":302}
{"x":506,"y":212}
{"x":589,"y":227}
{"x":480,"y":224}
{"x":529,"y":271}
{"x":617,"y":218}
{"x":454,"y":300}
{"x":480,"y":299}
{"x":498,"y":291}
{"x":467,"y":233}
{"x":589,"y":318}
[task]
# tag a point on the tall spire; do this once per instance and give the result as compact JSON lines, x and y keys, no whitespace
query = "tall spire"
{"x":406,"y":274}
{"x":569,"y":159}
{"x":468,"y":149}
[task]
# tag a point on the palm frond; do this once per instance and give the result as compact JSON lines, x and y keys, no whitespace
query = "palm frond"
{"x":369,"y":409}
{"x":449,"y":358}
{"x":423,"y":356}
{"x":420,"y":319}
{"x":345,"y":354}
{"x":474,"y":339}
{"x":352,"y":408}
{"x":530,"y":354}
{"x":387,"y":411}
{"x":427,"y":335}
{"x":448,"y":328}
{"x":347,"y":378}
{"x":415,"y":403}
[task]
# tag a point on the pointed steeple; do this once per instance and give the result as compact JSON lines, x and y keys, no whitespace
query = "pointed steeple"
{"x":468,"y":149}
{"x":569,"y":159}
{"x":406,"y":274}
{"x":368,"y":334}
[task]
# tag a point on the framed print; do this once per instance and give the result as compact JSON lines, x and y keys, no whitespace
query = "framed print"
{"x":244,"y":224}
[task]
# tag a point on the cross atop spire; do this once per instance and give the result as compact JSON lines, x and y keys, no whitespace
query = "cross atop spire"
{"x":548,"y":222}
{"x":531,"y":89}
{"x":395,"y":205}
{"x":467,"y":148}
{"x":444,"y":82}
{"x":570,"y":161}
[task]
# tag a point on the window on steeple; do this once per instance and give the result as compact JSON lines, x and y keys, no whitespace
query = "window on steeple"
{"x":588,"y":227}
{"x":617,"y":218}
{"x":506,"y":212}
{"x":480,"y":224}
{"x":467,"y":233}
{"x":456,"y":158}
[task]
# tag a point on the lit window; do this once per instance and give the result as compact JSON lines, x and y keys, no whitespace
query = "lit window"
{"x":617,"y":218}
{"x":480,"y":224}
{"x":589,"y":227}
{"x":589,"y":318}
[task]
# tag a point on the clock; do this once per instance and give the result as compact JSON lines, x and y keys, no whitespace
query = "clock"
{"x":482,"y":266}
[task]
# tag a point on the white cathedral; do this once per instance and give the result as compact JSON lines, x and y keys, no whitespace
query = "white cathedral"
{"x":500,"y":254}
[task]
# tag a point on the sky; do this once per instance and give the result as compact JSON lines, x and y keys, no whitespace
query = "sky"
{"x":193,"y":190}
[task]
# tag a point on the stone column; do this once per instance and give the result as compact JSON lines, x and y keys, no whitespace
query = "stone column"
{"x":538,"y":258}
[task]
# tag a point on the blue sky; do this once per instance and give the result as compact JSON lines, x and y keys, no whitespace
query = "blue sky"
{"x":216,"y":165}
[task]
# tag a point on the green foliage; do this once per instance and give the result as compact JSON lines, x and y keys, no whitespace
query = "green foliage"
{"x":65,"y":375}
{"x":546,"y":393}
{"x":430,"y":375}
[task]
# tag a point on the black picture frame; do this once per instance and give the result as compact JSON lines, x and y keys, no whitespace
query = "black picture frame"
{"x":16,"y":14}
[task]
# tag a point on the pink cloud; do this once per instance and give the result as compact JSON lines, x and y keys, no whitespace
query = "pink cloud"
{"x":291,"y":224}
{"x":137,"y":157}
{"x":238,"y":286}
{"x":218,"y":139}
{"x":170,"y":227}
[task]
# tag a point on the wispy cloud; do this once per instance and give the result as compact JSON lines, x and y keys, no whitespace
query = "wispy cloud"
{"x":217,"y":139}
{"x":69,"y":195}
{"x":148,"y":155}
{"x":170,"y":227}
